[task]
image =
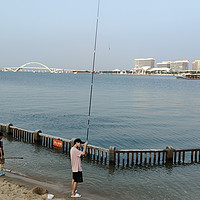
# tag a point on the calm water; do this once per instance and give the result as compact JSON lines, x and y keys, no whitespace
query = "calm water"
{"x":127,"y":112}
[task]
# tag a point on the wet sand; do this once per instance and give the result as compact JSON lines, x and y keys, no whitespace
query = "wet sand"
{"x":18,"y":187}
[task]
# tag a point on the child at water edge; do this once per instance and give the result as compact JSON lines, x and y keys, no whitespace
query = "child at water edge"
{"x":1,"y":155}
{"x":75,"y":155}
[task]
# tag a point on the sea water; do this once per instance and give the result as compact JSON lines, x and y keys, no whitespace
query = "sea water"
{"x":128,"y":112}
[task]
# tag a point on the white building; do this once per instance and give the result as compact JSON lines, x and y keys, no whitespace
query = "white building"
{"x":196,"y":65}
{"x":159,"y":70}
{"x":163,"y":65}
{"x":143,"y":64}
{"x":179,"y":65}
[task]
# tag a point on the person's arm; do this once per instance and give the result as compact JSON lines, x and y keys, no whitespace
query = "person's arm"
{"x":1,"y":152}
{"x":84,"y":150}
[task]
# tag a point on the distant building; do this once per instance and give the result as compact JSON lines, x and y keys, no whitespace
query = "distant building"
{"x":178,"y":65}
{"x":146,"y":66}
{"x":143,"y":64}
{"x":159,"y":70}
{"x":163,"y":65}
{"x":196,"y":65}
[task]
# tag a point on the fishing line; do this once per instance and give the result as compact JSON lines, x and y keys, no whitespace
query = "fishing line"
{"x":93,"y":65}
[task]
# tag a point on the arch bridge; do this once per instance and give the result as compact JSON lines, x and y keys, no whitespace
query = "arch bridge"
{"x":27,"y":66}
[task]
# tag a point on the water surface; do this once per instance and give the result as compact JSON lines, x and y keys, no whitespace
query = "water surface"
{"x":128,"y":112}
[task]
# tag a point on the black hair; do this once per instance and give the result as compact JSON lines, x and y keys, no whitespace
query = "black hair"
{"x":1,"y":133}
{"x":78,"y":140}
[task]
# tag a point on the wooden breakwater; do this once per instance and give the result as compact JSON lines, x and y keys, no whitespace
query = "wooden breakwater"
{"x":111,"y":155}
{"x":45,"y":140}
{"x":157,"y":156}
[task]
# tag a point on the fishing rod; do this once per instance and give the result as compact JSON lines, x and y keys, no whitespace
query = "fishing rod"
{"x":13,"y":158}
{"x":93,"y":65}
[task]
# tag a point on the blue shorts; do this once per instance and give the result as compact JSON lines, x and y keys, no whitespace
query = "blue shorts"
{"x":77,"y":176}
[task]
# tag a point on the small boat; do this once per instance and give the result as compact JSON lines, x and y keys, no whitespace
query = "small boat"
{"x":192,"y":76}
{"x":180,"y":77}
{"x":189,"y":76}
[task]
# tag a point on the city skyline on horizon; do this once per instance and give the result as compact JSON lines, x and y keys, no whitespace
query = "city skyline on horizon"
{"x":62,"y":33}
{"x":87,"y":69}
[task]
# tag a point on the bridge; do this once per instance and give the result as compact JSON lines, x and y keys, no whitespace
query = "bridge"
{"x":34,"y":66}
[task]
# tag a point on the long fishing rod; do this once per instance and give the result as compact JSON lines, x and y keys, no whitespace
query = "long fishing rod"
{"x":93,"y":65}
{"x":13,"y":158}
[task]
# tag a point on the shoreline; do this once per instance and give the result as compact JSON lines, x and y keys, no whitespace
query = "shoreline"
{"x":17,"y":186}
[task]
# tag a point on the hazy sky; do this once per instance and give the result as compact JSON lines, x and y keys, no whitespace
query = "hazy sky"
{"x":60,"y":33}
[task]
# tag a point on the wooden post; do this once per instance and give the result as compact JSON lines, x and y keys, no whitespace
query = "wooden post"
{"x":118,"y":159}
{"x":183,"y":156}
{"x":8,"y":129}
{"x":88,"y":151}
{"x":159,"y":157}
{"x":195,"y":156}
{"x":101,"y":154}
{"x":175,"y":157}
{"x":37,"y":138}
{"x":112,"y":155}
{"x":191,"y":156}
{"x":136,"y":158}
{"x":127,"y":158}
{"x":154,"y":158}
{"x":94,"y":154}
{"x":49,"y":143}
{"x":163,"y":157}
{"x":123,"y":159}
{"x":150,"y":157}
{"x":105,"y":158}
{"x":141,"y":158}
{"x":169,"y":156}
{"x":97,"y":155}
{"x":199,"y":156}
{"x":66,"y":143}
{"x":132,"y":162}
{"x":145,"y":158}
{"x":179,"y":157}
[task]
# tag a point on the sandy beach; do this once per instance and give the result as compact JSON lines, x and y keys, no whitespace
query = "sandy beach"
{"x":17,"y":187}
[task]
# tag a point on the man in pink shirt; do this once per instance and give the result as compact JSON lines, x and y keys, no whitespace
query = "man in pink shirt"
{"x":75,"y":155}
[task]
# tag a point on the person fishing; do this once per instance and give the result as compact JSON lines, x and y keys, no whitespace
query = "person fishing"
{"x":1,"y":155}
{"x":75,"y":155}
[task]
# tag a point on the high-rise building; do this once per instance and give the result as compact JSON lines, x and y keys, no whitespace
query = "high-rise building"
{"x":196,"y":65}
{"x":179,"y":65}
{"x":144,"y":62}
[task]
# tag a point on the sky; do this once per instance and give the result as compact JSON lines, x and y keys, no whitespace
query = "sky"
{"x":60,"y":33}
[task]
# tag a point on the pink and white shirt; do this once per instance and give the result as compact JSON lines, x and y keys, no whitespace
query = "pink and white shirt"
{"x":76,"y":159}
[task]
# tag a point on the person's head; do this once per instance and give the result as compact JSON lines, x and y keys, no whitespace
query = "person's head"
{"x":78,"y":142}
{"x":1,"y":135}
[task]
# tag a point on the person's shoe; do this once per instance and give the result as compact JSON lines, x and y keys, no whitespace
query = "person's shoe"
{"x":76,"y":195}
{"x":76,"y":191}
{"x":2,"y":173}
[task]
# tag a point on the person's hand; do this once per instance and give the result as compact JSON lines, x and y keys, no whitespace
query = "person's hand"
{"x":86,"y":143}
